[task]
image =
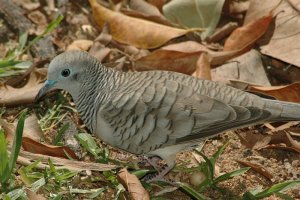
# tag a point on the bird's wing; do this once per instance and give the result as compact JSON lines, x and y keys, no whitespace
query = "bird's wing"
{"x":168,"y":113}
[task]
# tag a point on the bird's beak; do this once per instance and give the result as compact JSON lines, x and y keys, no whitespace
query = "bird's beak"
{"x":48,"y":85}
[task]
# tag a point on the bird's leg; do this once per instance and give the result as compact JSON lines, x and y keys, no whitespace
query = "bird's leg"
{"x":159,"y":176}
{"x":151,"y":161}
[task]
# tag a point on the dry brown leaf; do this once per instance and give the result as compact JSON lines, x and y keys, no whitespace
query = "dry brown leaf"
{"x":259,"y":169}
{"x":244,"y":37}
{"x":281,"y":41}
{"x":32,"y":128}
{"x":203,"y":67}
{"x":289,"y":93}
{"x":295,"y":4}
{"x":285,"y":138}
{"x":133,"y":185}
{"x":157,"y":3}
{"x":144,"y":7}
{"x":153,"y":18}
{"x":169,"y":61}
{"x":217,"y":58}
{"x":181,"y":57}
{"x":243,"y":69}
{"x":253,"y":141}
{"x":45,"y":149}
{"x":137,"y":32}
{"x":34,"y":196}
{"x":33,"y":146}
{"x":82,"y":45}
{"x":10,"y":96}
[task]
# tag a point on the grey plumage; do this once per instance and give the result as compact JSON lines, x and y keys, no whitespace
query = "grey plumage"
{"x":158,"y":112}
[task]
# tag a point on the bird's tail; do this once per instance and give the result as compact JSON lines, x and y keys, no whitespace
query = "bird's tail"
{"x":283,"y":111}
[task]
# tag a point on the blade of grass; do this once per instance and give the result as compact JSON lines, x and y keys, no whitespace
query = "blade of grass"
{"x":3,"y":157}
{"x":231,"y":174}
{"x":193,"y":193}
{"x":16,"y":145}
{"x":60,"y":134}
{"x":49,"y":28}
{"x":280,"y":187}
{"x":210,"y":166}
{"x":219,"y":152}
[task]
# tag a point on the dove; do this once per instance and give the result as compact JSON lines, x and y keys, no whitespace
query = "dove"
{"x":156,"y":113}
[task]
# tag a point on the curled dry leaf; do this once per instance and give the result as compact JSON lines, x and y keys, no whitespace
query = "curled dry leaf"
{"x":169,"y":61}
{"x":289,"y":93}
{"x":82,"y":45}
{"x":157,"y":3}
{"x":281,"y":42}
{"x":10,"y":96}
{"x":45,"y":149}
{"x":283,"y":140}
{"x":244,"y":37}
{"x":133,"y":185}
{"x":253,"y":141}
{"x":34,"y":196}
{"x":259,"y":169}
{"x":32,"y":145}
{"x":137,"y":32}
{"x":181,"y":57}
{"x":243,"y":68}
{"x":203,"y":67}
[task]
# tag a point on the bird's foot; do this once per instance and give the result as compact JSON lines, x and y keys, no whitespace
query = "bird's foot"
{"x":159,"y":176}
{"x":150,"y":162}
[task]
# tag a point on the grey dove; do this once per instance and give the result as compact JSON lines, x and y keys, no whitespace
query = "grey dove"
{"x":156,"y":113}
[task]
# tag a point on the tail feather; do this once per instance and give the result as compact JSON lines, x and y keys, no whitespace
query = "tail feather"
{"x":283,"y":111}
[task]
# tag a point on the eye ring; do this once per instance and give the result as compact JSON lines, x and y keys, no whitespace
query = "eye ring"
{"x":65,"y":72}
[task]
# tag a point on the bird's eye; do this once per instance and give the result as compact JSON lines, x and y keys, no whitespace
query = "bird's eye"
{"x":65,"y":72}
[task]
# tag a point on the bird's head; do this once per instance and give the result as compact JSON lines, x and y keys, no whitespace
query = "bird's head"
{"x":67,"y":71}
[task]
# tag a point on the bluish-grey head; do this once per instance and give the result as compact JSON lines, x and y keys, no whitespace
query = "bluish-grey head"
{"x":67,"y":71}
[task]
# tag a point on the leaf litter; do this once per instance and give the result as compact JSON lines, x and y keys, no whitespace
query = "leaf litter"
{"x":138,"y":36}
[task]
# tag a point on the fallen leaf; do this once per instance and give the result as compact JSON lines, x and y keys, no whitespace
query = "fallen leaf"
{"x":169,"y":61}
{"x":144,"y":7}
{"x":242,"y":68}
{"x":99,"y":51}
{"x":45,"y":149}
{"x":285,"y":138}
{"x":33,"y":146}
{"x":295,"y":4}
{"x":133,"y":185}
{"x":32,"y":128}
{"x":253,"y":141}
{"x":203,"y":67}
{"x":157,"y":3}
{"x":137,"y":32}
{"x":10,"y":96}
{"x":289,"y":93}
{"x":281,"y":41}
{"x":258,"y":168}
{"x":244,"y":37}
{"x":217,"y":57}
{"x":34,"y":196}
{"x":195,"y":13}
{"x":154,"y":18}
{"x":181,"y":57}
{"x":82,"y":45}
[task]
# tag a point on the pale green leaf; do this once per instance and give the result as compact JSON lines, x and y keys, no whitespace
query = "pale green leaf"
{"x":195,"y":14}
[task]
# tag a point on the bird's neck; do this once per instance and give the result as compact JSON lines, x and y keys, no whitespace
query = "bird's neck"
{"x":94,"y":92}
